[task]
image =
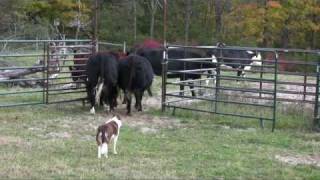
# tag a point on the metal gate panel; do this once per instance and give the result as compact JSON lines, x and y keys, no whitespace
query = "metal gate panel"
{"x":65,"y":72}
{"x":253,"y":97}
{"x":22,"y":72}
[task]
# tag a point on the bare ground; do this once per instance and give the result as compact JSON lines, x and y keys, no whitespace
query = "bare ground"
{"x":295,"y":160}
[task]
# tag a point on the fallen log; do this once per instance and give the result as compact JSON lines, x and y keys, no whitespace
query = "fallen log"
{"x":12,"y":73}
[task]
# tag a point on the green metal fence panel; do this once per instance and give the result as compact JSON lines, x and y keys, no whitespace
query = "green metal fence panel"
{"x":256,"y":96}
{"x":46,"y":67}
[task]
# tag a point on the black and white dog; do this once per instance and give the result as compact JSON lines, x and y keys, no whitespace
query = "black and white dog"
{"x":108,"y":131}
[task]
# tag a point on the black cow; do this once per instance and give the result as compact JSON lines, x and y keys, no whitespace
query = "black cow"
{"x":235,"y":58}
{"x":135,"y":76}
{"x":155,"y":57}
{"x":104,"y":67}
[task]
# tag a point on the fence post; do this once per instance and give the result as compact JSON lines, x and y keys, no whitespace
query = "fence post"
{"x":164,"y":78}
{"x":219,"y":59}
{"x":47,"y":73}
{"x":124,"y":47}
{"x":261,"y":77}
{"x":275,"y":90}
{"x":44,"y":61}
{"x":316,"y":124}
{"x":305,"y":78}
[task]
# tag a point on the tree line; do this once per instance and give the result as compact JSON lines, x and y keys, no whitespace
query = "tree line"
{"x":263,"y":23}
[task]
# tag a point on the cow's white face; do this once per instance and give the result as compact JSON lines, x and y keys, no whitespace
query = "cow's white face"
{"x":257,"y":60}
{"x":213,"y":58}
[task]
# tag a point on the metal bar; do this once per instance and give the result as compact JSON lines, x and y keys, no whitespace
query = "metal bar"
{"x":222,"y":101}
{"x":248,"y":49}
{"x":20,"y":55}
{"x":183,"y":91}
{"x":44,"y":41}
{"x":304,"y":87}
{"x":275,"y":91}
{"x":217,"y":82}
{"x":72,"y":46}
{"x":279,"y":99}
{"x":110,"y":44}
{"x":20,"y":92}
{"x":271,"y":72}
{"x":261,"y":77}
{"x":20,"y":104}
{"x":44,"y":73}
{"x":164,"y":79}
{"x":19,"y":80}
{"x":219,"y":113}
{"x":316,"y":123}
{"x":46,"y":84}
{"x":252,"y":90}
{"x":69,"y":82}
{"x":21,"y":67}
{"x":67,"y":101}
{"x":68,"y":92}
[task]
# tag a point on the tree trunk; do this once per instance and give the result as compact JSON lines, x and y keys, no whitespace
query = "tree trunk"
{"x":187,"y":21}
{"x":153,"y":10}
{"x":265,"y":25}
{"x":218,"y":6}
{"x":134,"y":20}
{"x":285,"y":35}
{"x":78,"y":20}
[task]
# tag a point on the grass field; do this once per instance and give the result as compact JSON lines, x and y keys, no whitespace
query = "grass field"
{"x":58,"y":142}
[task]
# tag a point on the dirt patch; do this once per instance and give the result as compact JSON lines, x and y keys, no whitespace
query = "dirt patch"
{"x":61,"y":135}
{"x":5,"y":140}
{"x":294,"y":160}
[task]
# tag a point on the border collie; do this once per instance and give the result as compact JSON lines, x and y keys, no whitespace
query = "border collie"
{"x":108,"y":131}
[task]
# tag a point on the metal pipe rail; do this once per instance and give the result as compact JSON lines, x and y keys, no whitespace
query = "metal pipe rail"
{"x":214,"y":100}
{"x":245,"y":48}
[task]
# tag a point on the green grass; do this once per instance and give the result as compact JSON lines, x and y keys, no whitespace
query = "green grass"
{"x":203,"y":146}
{"x":58,"y":142}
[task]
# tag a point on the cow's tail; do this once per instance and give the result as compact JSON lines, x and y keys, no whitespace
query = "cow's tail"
{"x":99,"y":91}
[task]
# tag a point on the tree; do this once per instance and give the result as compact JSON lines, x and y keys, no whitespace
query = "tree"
{"x":188,"y":13}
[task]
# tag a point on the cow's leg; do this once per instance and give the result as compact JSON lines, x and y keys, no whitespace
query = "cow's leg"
{"x":112,"y":98}
{"x":128,"y":99}
{"x":91,"y":94}
{"x":181,"y":87}
{"x":124,"y":97}
{"x":149,"y":91}
{"x":192,"y":89}
{"x":239,"y":72}
{"x":138,"y":95}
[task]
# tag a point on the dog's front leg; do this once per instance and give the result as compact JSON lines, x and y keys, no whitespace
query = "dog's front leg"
{"x":99,"y":152}
{"x":115,"y":145}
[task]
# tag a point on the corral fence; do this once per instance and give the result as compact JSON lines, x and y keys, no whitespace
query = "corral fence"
{"x":45,"y":71}
{"x":281,"y":76}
